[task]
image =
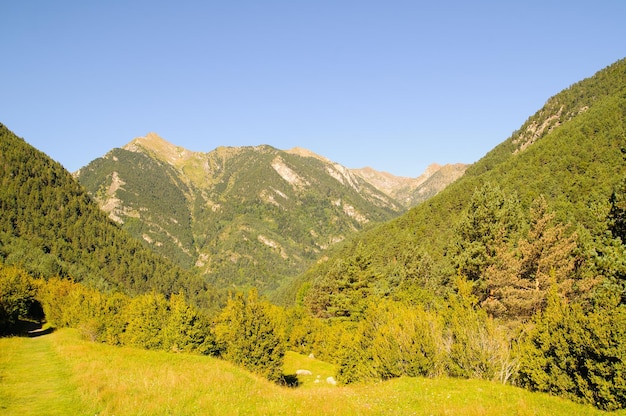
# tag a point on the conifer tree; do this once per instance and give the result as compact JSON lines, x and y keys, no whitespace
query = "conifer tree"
{"x":576,"y":354}
{"x":491,"y":219}
{"x":518,"y":279}
{"x":248,"y":334}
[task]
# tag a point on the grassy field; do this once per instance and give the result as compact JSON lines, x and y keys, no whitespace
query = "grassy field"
{"x":60,"y":374}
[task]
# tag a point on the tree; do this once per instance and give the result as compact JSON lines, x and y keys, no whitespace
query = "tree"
{"x":247,"y":333}
{"x":518,"y":279}
{"x":341,"y":292}
{"x":393,"y":340}
{"x":17,"y":294}
{"x":617,"y":214}
{"x":491,"y":219}
{"x":477,"y":346}
{"x":146,"y":315}
{"x":186,"y":328}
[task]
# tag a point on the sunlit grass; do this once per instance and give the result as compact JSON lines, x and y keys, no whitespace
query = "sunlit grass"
{"x":62,"y":374}
{"x":34,"y":380}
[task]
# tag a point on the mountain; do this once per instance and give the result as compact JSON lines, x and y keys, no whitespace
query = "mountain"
{"x":50,"y":226}
{"x":568,"y":154}
{"x":413,"y":191}
{"x":244,"y":216}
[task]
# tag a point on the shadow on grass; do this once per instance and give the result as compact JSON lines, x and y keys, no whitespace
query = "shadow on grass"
{"x":290,"y":380}
{"x":37,"y":332}
{"x":27,"y":328}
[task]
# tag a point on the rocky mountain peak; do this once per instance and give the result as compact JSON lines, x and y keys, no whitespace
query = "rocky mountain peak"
{"x":412,"y":191}
{"x":157,"y":146}
{"x":300,"y":151}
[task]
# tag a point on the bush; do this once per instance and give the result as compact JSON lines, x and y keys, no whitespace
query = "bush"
{"x":17,"y":294}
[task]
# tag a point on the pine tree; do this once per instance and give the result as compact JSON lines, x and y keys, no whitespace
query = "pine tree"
{"x":491,"y":219}
{"x":576,"y":354}
{"x":17,"y":294}
{"x":518,"y":279}
{"x":247,"y":333}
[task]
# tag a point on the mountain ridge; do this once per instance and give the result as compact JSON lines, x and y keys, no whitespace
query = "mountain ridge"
{"x":250,"y":215}
{"x":409,"y":191}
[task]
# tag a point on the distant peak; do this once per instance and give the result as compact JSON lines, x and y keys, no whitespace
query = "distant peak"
{"x":432,"y":168}
{"x":153,"y":143}
{"x":300,"y":151}
{"x":368,"y":171}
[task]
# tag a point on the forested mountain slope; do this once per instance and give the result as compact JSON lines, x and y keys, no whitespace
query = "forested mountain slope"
{"x":50,"y":226}
{"x":244,"y":216}
{"x":561,"y":167}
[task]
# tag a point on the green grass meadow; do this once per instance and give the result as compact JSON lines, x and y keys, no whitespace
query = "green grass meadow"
{"x":61,"y":374}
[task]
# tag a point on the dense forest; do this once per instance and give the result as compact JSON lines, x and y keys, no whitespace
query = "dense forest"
{"x":515,"y":273}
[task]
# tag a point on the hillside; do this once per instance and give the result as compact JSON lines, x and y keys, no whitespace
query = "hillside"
{"x":569,"y":152}
{"x":50,"y":226}
{"x":515,"y":272}
{"x":247,"y":216}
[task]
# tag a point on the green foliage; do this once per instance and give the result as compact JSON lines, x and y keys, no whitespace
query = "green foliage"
{"x":491,"y":218}
{"x":576,"y":354}
{"x":153,"y":196}
{"x":517,"y":281}
{"x":111,"y":323}
{"x":477,"y":345}
{"x":187,"y":328}
{"x":397,"y":339}
{"x":147,"y":321}
{"x":63,"y":302}
{"x":302,"y":331}
{"x":392,"y":340}
{"x":575,"y":162}
{"x":17,"y":295}
{"x":617,"y":214}
{"x":51,"y":227}
{"x":344,"y":290}
{"x":146,"y":315}
{"x":248,"y":333}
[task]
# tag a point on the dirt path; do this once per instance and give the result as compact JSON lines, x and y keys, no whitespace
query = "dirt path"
{"x":34,"y":379}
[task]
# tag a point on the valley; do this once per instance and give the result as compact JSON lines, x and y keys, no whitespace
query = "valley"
{"x":503,"y":292}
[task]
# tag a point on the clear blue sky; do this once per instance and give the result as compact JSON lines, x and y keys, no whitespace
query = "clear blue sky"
{"x":395,"y":85}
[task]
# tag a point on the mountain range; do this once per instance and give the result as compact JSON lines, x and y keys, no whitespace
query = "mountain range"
{"x":246,"y":216}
